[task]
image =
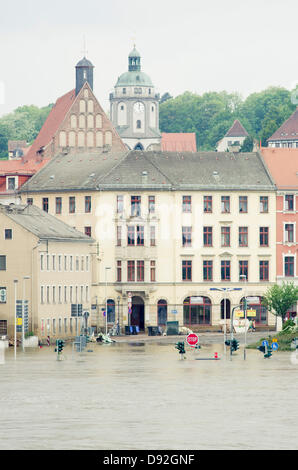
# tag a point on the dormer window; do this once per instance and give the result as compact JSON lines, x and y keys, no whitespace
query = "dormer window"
{"x":85,"y":74}
{"x":11,"y":183}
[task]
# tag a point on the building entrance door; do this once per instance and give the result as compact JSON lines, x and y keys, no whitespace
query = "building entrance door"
{"x":138,"y":313}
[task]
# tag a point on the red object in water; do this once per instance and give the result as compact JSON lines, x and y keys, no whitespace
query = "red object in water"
{"x":215,"y":355}
{"x":192,"y":339}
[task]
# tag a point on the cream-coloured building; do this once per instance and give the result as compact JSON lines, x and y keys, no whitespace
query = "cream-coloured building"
{"x":50,"y":264}
{"x":170,"y":228}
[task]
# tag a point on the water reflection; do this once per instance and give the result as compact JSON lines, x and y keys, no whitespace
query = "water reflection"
{"x":142,"y":396}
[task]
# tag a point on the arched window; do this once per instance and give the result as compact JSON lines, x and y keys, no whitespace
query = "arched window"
{"x":72,"y":139}
{"x":90,"y":106}
{"x":197,"y":311}
{"x":228,"y":309}
{"x":62,"y":139}
{"x":90,"y":121}
{"x":98,"y":121}
{"x":139,"y":124}
{"x":99,"y":140}
{"x":162,"y":312}
{"x":261,"y":311}
{"x":108,"y":138}
{"x":139,"y":146}
{"x":82,"y":121}
{"x":81,"y":139}
{"x":110,"y":311}
{"x":82,"y":106}
{"x":90,"y":139}
{"x":73,"y":121}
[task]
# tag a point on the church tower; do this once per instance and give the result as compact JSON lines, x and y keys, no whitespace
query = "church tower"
{"x":84,"y":73}
{"x":134,"y":107}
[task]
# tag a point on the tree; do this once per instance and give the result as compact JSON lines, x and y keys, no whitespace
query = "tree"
{"x":279,"y":299}
{"x":247,"y":145}
{"x":165,"y":97}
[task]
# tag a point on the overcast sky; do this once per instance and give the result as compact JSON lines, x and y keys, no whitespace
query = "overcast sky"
{"x":190,"y":45}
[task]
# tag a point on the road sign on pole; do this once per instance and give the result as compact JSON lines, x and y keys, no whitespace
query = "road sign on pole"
{"x":192,"y":339}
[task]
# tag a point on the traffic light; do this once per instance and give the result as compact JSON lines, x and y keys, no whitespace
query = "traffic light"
{"x":227,"y":342}
{"x":234,"y":345}
{"x":180,"y":347}
{"x":268,"y":353}
{"x":262,"y":349}
{"x":59,"y":346}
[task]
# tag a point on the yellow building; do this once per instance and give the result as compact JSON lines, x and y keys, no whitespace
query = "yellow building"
{"x":171,"y":228}
{"x":49,"y":264}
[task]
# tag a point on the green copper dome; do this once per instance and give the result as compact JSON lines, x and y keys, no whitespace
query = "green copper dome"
{"x":134,"y":78}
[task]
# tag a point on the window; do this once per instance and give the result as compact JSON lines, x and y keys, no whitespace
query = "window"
{"x":152,"y":271}
{"x":243,"y":204}
{"x":119,"y":204}
{"x":243,"y":271}
{"x":130,"y":271}
{"x":3,"y":327}
{"x":130,"y":235}
{"x":186,"y":236}
{"x":225,"y":236}
{"x":186,"y":203}
{"x":8,"y":234}
{"x":207,"y":270}
{"x":45,"y":204}
{"x":186,"y":270}
{"x":264,"y":236}
{"x":225,"y":203}
{"x":225,"y":270}
{"x":11,"y":183}
{"x":207,"y":204}
{"x":87,"y":204}
{"x":263,"y":204}
{"x":139,"y":124}
{"x":289,"y":266}
{"x":140,"y":235}
{"x":58,"y":205}
{"x":243,"y":236}
{"x":2,"y":263}
{"x":54,"y":262}
{"x":261,"y":311}
{"x":264,"y":270}
{"x":162,"y":312}
{"x":140,"y":271}
{"x":30,"y":201}
{"x":72,"y":205}
{"x":119,"y":235}
{"x":152,"y":236}
{"x":151,"y":204}
{"x":196,"y":313}
{"x":289,"y":202}
{"x":207,"y":236}
{"x":124,"y":91}
{"x":77,"y":263}
{"x":87,"y":231}
{"x":110,"y":311}
{"x":2,"y":295}
{"x":289,"y":233}
{"x":119,"y":271}
{"x":135,"y":205}
{"x":70,"y":263}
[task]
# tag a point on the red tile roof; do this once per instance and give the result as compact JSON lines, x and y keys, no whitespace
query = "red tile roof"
{"x":237,"y":130}
{"x":288,"y":130}
{"x":283,"y":166}
{"x":21,"y":167}
{"x":52,"y":123}
{"x":178,"y":142}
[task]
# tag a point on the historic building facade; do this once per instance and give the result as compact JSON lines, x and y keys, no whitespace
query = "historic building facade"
{"x":134,"y":107}
{"x":172,"y":230}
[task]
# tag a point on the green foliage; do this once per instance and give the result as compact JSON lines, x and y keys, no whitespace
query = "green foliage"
{"x":22,"y":124}
{"x":279,"y":299}
{"x":212,"y":114}
{"x":247,"y":145}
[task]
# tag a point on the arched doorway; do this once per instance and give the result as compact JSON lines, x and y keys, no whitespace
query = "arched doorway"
{"x":139,"y":146}
{"x":138,"y":313}
{"x":162,"y":312}
{"x":222,"y":309}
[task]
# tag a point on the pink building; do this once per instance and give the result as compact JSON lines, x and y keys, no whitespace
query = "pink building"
{"x":283,"y":166}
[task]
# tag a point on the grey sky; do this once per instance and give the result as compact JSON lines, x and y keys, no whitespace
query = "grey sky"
{"x":192,"y":45}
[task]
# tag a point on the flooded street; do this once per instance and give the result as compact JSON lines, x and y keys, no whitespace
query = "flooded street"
{"x":142,"y":396}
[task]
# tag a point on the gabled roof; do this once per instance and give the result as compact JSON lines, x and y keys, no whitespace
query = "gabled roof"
{"x":178,"y":142}
{"x":42,"y":224}
{"x":283,"y":166}
{"x":152,"y":170}
{"x":52,"y":123}
{"x":237,"y":130}
{"x":288,"y":130}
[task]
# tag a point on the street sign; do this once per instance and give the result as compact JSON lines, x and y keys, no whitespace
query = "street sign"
{"x":239,"y":313}
{"x":274,"y":346}
{"x":192,"y":339}
{"x":174,"y":311}
{"x":265,"y":342}
{"x":252,"y":300}
{"x":196,"y":300}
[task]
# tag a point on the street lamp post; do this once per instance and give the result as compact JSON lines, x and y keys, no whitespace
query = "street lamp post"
{"x":23,"y":313}
{"x":15,"y":318}
{"x":106,"y":283}
{"x":225,"y":290}
{"x":245,"y":313}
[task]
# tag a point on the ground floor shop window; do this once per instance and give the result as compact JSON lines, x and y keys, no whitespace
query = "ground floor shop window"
{"x":261,"y":311}
{"x":162,"y":312}
{"x":198,"y":312}
{"x":110,"y":311}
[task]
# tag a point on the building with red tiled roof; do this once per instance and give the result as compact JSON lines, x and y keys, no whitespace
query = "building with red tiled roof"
{"x":287,"y":135}
{"x":233,"y":139}
{"x":283,"y":167}
{"x":178,"y":142}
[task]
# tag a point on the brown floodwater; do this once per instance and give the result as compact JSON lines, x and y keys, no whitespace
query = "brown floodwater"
{"x":143,"y":396}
